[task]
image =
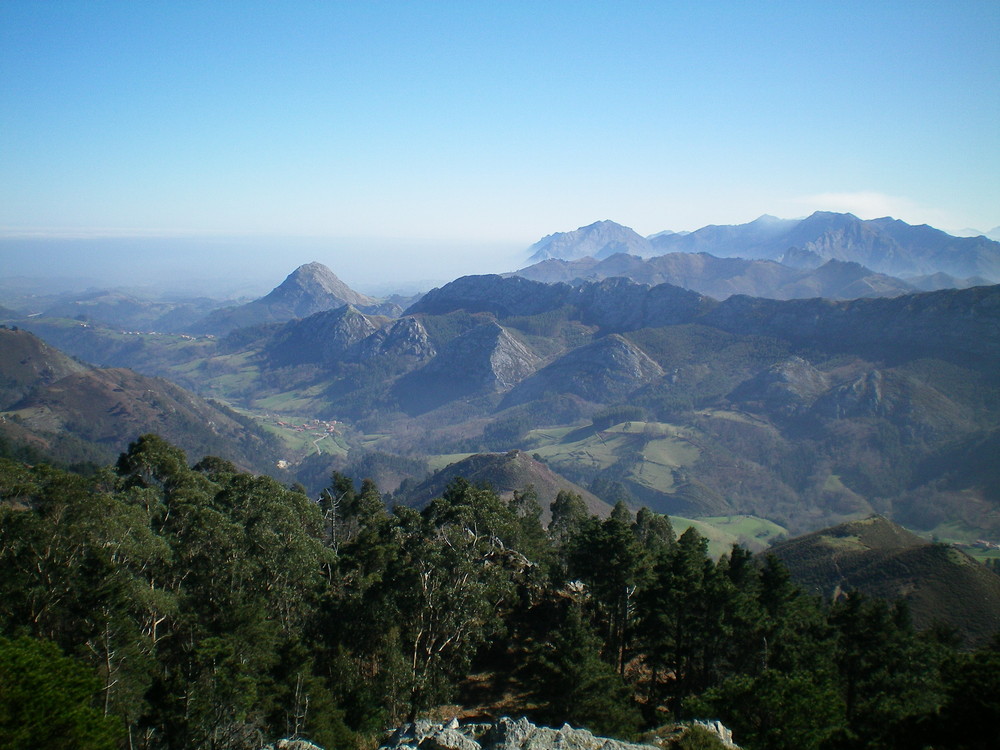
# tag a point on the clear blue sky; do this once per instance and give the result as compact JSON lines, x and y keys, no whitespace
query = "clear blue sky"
{"x":384,"y":128}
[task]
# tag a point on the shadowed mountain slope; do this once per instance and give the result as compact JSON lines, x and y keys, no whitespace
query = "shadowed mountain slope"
{"x":505,"y":473}
{"x":964,"y":324}
{"x":880,"y":559}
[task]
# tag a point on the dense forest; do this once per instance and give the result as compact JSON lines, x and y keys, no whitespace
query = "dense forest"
{"x":158,"y":605}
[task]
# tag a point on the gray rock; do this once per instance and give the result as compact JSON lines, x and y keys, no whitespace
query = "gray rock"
{"x":292,"y":745}
{"x":448,"y":738}
{"x":721,"y":731}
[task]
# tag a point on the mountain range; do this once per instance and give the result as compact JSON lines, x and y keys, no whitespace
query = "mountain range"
{"x":804,"y":411}
{"x":886,"y":245}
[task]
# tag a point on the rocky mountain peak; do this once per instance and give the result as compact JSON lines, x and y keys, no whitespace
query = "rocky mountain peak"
{"x":491,"y":355}
{"x":482,"y":361}
{"x":309,"y":289}
{"x":313,"y":287}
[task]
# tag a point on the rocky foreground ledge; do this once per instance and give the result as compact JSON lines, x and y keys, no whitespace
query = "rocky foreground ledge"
{"x":520,"y":734}
{"x":510,"y":734}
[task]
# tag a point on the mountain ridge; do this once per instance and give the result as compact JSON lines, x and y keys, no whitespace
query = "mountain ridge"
{"x":720,"y":278}
{"x":102,"y":410}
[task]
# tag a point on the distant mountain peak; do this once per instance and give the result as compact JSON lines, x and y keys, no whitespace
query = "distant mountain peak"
{"x":597,"y":240}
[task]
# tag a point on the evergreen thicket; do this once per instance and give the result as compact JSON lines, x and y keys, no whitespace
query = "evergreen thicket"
{"x":202,"y":607}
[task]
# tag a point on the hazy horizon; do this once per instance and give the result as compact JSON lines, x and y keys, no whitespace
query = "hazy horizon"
{"x":237,"y":266}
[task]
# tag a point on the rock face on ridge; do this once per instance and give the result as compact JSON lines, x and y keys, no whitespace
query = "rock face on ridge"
{"x":488,"y":355}
{"x":785,"y":388}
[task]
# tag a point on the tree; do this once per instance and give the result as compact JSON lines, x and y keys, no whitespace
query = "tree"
{"x":886,"y":673}
{"x":676,"y":621}
{"x":574,"y":684}
{"x":608,"y":558}
{"x":776,"y":710}
{"x":532,"y":541}
{"x":653,"y":531}
{"x":450,"y":584}
{"x":46,"y":701}
{"x":569,"y":513}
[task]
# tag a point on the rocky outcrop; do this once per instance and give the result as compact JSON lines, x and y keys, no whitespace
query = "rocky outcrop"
{"x":488,"y":356}
{"x":521,"y":734}
{"x":407,"y":337}
{"x":607,"y":369}
{"x":505,"y":734}
{"x":323,"y":338}
{"x":786,"y":388}
{"x":482,"y":362}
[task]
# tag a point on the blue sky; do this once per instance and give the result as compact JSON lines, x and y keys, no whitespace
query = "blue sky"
{"x":368,"y":132}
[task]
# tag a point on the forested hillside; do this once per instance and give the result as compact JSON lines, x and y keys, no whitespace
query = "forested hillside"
{"x":202,"y":607}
